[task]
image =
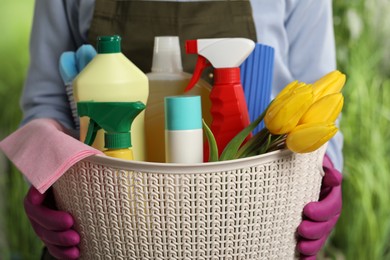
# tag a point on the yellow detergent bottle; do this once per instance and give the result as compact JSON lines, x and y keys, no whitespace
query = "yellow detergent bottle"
{"x":115,"y":119}
{"x":111,"y":77}
{"x":168,"y":79}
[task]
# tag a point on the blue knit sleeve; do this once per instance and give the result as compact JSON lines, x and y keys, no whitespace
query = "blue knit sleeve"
{"x":44,"y":92}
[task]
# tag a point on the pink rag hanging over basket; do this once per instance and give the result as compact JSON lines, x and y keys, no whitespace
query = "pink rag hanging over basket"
{"x":241,"y":209}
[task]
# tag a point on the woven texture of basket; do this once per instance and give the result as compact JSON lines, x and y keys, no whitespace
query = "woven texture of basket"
{"x":240,"y":209}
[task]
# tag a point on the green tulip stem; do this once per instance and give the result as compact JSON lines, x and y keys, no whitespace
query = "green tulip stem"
{"x":253,"y":144}
{"x":276,"y":143}
{"x":213,"y":148}
{"x":232,"y":147}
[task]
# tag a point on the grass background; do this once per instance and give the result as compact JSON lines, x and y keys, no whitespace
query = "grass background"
{"x":17,"y":240}
{"x":362,"y":29}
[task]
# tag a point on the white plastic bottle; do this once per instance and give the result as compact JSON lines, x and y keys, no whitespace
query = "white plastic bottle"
{"x":168,"y":79}
{"x":183,"y":130}
{"x":111,"y":77}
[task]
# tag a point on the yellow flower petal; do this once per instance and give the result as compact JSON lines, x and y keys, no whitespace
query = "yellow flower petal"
{"x":332,"y":82}
{"x":309,"y":137}
{"x":285,"y":112}
{"x":290,"y":87}
{"x":326,"y":109}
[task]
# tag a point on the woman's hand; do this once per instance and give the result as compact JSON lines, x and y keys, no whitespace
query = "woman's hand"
{"x":52,"y":226}
{"x":320,"y":217}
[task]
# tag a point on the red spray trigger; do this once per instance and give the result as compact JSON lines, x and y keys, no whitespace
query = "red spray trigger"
{"x":201,"y":64}
{"x":192,"y":47}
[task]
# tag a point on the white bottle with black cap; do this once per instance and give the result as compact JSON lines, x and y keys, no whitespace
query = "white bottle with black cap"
{"x":183,"y":130}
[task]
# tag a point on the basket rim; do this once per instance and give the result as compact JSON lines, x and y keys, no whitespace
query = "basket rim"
{"x":155,"y":167}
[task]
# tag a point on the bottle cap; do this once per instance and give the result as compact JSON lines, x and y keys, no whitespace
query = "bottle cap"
{"x":117,"y":140}
{"x":166,"y":54}
{"x":109,"y":44}
{"x":183,"y":113}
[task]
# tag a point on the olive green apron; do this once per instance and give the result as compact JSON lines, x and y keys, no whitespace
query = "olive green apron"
{"x":138,"y":22}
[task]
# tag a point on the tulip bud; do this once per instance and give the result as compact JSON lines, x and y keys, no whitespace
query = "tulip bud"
{"x":326,"y":109}
{"x":284,"y":112}
{"x":331,"y":83}
{"x":309,"y":137}
{"x":290,"y":87}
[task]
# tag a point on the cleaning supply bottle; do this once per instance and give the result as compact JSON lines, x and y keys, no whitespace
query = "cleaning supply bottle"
{"x":168,"y":79}
{"x":228,"y":105}
{"x":115,"y":118}
{"x":111,"y":77}
{"x":183,"y":129}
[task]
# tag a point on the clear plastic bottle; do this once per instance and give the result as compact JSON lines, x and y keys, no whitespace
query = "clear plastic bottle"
{"x":168,"y":79}
{"x":111,"y":77}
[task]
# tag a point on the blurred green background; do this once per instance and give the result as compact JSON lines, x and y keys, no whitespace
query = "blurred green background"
{"x":363,"y":46}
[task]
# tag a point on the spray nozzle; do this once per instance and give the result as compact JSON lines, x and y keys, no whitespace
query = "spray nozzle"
{"x":201,"y":64}
{"x":218,"y":52}
{"x":114,"y":117}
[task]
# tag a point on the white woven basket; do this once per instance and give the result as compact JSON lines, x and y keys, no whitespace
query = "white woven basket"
{"x":241,"y":209}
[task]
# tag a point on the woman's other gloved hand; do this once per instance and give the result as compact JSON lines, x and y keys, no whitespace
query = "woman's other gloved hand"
{"x":320,"y":217}
{"x":52,"y":226}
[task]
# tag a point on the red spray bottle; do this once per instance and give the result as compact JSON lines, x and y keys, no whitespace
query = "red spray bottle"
{"x":228,"y":105}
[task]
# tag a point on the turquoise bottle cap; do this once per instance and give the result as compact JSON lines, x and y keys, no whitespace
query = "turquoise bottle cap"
{"x":109,"y":44}
{"x":183,"y":113}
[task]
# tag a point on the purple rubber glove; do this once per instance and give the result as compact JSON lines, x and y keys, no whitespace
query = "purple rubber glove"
{"x":320,"y":217}
{"x":52,"y":226}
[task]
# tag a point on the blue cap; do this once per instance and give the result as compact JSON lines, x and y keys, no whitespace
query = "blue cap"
{"x":183,"y":113}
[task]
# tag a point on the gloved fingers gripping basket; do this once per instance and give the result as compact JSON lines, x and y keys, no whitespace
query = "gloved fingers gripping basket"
{"x":240,"y":209}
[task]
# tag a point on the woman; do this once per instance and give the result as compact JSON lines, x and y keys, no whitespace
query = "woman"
{"x":300,"y":31}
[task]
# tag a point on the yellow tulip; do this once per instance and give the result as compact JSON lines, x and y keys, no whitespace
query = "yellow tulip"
{"x":326,"y":109}
{"x":290,"y":87}
{"x":286,"y":110}
{"x":332,"y":82}
{"x":309,"y":137}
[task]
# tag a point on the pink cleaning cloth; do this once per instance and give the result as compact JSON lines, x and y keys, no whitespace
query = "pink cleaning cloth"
{"x":43,"y":152}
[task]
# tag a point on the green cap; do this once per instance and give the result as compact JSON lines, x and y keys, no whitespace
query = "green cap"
{"x":117,"y":140}
{"x":183,"y":113}
{"x":114,"y":117}
{"x":109,"y":44}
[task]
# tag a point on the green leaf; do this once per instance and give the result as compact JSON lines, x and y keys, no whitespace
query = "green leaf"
{"x":253,"y":144}
{"x":232,"y":147}
{"x":213,"y":148}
